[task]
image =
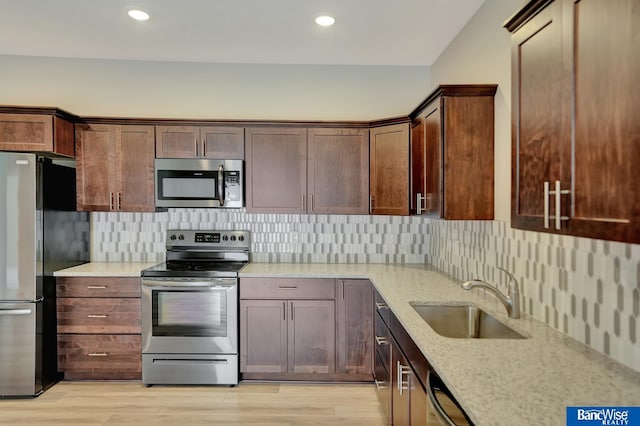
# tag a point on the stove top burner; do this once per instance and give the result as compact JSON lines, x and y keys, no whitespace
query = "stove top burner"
{"x":194,"y":269}
{"x":202,"y":254}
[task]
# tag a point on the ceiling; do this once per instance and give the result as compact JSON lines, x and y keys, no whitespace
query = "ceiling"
{"x":366,"y":32}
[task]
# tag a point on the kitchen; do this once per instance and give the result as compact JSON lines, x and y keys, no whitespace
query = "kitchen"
{"x":480,"y":53}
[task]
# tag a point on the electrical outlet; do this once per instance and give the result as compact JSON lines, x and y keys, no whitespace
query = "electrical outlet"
{"x":294,"y":237}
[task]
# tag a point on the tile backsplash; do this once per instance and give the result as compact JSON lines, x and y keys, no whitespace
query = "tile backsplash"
{"x":588,"y":289}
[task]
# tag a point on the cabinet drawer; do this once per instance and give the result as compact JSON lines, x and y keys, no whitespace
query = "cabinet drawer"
{"x":86,"y":356}
{"x":287,"y":288}
{"x":382,"y":342}
{"x":97,"y":287}
{"x":95,"y":315}
{"x":381,"y":306}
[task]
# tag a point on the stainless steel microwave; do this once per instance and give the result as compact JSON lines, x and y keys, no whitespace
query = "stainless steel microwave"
{"x":199,"y":183}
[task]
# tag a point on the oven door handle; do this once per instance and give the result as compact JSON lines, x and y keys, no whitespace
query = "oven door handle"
{"x":186,"y":284}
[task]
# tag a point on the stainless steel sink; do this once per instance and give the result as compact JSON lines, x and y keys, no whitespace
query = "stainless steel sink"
{"x":464,"y":321}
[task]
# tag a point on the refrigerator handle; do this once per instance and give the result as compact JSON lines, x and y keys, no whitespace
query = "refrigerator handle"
{"x":16,"y":311}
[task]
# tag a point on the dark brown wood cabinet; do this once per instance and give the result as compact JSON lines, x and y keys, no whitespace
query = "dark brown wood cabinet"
{"x":115,"y":167}
{"x":354,"y":325}
{"x":452,"y":144}
{"x":338,"y":171}
{"x":389,"y":169}
{"x":315,"y":170}
{"x":574,"y":126}
{"x":286,"y":331}
{"x":300,"y":329}
{"x":99,"y":328}
{"x":219,"y":142}
{"x":401,"y":370}
{"x":276,"y":170}
{"x":36,"y":133}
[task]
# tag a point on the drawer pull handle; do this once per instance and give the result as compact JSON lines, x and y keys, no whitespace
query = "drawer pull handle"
{"x":97,"y":286}
{"x":381,"y":305}
{"x":97,"y":316}
{"x":98,"y":354}
{"x":380,"y":384}
{"x":381,"y":340}
{"x":288,"y":287}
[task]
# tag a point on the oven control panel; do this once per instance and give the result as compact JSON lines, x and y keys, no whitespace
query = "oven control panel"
{"x":177,"y":238}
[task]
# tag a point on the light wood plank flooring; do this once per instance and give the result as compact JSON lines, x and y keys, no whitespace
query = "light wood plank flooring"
{"x":130,"y":403}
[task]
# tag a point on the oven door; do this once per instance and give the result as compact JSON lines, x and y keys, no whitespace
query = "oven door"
{"x":190,"y":316}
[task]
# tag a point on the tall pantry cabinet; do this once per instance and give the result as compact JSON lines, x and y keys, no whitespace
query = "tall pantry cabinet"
{"x":575,"y":132}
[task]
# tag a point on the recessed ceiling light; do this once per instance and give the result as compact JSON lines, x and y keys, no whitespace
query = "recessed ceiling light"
{"x":325,"y":20}
{"x":138,"y":15}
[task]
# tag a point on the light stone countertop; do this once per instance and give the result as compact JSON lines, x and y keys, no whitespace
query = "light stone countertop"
{"x":104,"y":269}
{"x":496,"y":381}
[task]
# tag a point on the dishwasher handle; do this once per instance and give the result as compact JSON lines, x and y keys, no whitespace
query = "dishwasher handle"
{"x":434,"y":384}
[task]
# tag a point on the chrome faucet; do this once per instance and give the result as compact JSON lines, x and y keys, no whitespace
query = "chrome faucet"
{"x":511,"y":302}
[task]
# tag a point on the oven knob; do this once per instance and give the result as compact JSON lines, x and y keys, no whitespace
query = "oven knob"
{"x":233,"y":238}
{"x":181,"y":237}
{"x":225,"y":238}
{"x":172,"y":237}
{"x":241,"y":238}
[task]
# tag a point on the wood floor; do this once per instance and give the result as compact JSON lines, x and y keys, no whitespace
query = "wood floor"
{"x":130,"y":403}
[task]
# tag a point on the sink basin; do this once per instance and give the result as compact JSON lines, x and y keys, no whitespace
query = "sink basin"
{"x":464,"y":321}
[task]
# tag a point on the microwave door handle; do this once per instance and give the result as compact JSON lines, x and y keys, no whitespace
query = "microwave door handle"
{"x":221,"y":185}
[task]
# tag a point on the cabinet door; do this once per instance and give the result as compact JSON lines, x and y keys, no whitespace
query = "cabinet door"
{"x":263,"y":336}
{"x":606,"y":51}
{"x":25,"y":132}
{"x":338,"y":176}
{"x":538,"y":111}
{"x":135,"y":174}
{"x":96,"y":167}
{"x":177,"y":142}
{"x":311,"y":336}
{"x":389,"y":151}
{"x":226,"y":143}
{"x":400,"y":390}
{"x":417,"y":401}
{"x":433,"y":159}
{"x":276,"y":170}
{"x":355,"y":327}
{"x":468,"y":172}
{"x":418,"y":162}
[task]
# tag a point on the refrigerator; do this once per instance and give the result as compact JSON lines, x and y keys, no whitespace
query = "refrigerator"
{"x":40,"y":232}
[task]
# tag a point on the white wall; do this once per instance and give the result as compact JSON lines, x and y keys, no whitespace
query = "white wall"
{"x":89,"y":87}
{"x":481,"y":54}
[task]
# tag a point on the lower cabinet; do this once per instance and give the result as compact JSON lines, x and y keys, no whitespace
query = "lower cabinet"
{"x":305,"y":329}
{"x":401,"y":373}
{"x":98,"y":322}
{"x":287,"y":336}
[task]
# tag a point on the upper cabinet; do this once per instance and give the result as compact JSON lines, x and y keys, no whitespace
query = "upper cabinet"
{"x":36,"y":133}
{"x":338,"y":171}
{"x":575,"y":131}
{"x":276,"y":170}
{"x":218,"y":142}
{"x":298,"y":170}
{"x":389,"y":169}
{"x":452,"y":153}
{"x":115,"y":167}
